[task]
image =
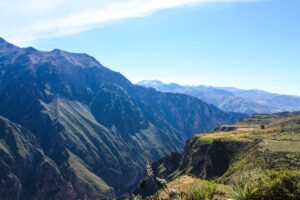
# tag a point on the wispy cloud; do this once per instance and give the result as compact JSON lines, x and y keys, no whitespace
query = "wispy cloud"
{"x":22,"y":21}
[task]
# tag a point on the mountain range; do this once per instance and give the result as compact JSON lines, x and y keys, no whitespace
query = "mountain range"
{"x":71,"y":128}
{"x":232,"y":99}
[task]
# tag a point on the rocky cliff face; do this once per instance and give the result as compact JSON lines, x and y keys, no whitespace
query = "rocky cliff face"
{"x":93,"y":127}
{"x":200,"y":159}
{"x":206,"y":160}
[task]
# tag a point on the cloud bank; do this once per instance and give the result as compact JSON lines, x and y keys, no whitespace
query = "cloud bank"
{"x":23,"y":21}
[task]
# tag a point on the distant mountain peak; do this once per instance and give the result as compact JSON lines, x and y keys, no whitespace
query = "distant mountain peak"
{"x":31,"y":49}
{"x":156,"y":83}
{"x":79,"y":59}
{"x":152,"y":82}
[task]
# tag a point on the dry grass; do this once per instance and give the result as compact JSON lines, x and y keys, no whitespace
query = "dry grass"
{"x":184,"y":183}
{"x":241,"y":132}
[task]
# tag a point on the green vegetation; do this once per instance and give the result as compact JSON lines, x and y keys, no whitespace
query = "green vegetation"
{"x":192,"y":188}
{"x":275,"y":185}
{"x":245,"y":192}
{"x":264,"y":161}
{"x":279,"y":185}
{"x":202,"y":192}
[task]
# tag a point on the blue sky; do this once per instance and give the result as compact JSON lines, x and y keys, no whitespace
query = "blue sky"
{"x":244,"y":44}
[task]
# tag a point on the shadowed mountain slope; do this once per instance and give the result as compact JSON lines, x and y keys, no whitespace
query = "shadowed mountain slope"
{"x":96,"y":128}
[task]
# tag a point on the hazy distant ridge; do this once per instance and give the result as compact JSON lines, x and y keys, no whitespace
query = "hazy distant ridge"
{"x":232,"y":99}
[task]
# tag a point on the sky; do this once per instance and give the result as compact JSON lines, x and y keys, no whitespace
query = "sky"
{"x":248,"y":44}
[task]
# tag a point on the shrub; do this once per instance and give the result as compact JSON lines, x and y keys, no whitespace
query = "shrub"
{"x":280,"y":185}
{"x":196,"y":193}
{"x":210,"y":189}
{"x":202,"y":191}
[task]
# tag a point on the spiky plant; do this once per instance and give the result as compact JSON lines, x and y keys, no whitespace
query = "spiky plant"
{"x":247,"y":192}
{"x":149,"y":170}
{"x":196,"y":193}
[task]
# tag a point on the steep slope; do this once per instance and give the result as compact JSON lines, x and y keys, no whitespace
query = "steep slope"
{"x":239,"y":153}
{"x":97,"y":127}
{"x":27,"y":173}
{"x":233,"y":99}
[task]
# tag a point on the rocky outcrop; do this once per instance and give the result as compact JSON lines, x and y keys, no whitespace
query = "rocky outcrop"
{"x":170,"y":162}
{"x":216,"y":160}
{"x":205,"y":160}
{"x":199,"y":159}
